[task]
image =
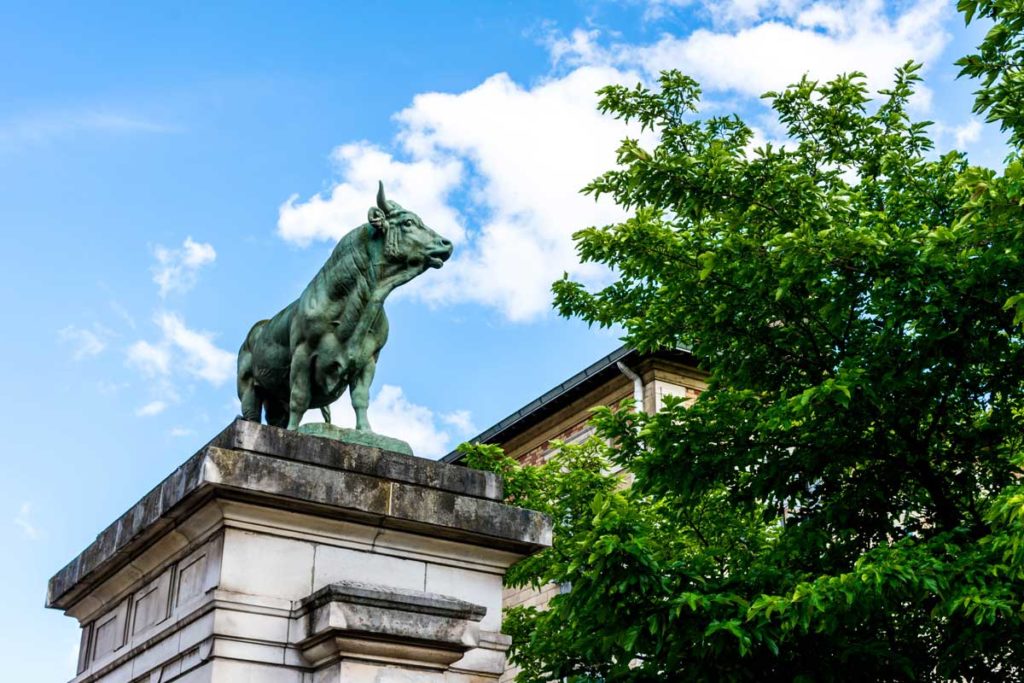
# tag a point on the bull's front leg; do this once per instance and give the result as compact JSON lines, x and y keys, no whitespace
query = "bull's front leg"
{"x":360,"y":390}
{"x":299,"y":384}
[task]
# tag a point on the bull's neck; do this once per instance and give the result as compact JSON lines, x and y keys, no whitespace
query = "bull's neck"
{"x":357,"y":264}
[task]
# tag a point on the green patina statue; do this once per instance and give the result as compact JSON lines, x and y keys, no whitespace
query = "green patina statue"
{"x":328,"y":340}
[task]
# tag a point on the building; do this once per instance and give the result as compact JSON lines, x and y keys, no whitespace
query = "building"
{"x":563,"y":414}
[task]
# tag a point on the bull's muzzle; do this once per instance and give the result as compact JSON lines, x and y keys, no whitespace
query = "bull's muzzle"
{"x":440,"y":253}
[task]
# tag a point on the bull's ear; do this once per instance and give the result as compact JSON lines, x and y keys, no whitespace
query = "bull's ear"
{"x":378,"y":219}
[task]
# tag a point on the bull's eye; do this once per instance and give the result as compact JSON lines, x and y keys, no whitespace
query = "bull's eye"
{"x":408,"y":223}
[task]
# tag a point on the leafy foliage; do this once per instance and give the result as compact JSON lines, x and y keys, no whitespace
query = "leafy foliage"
{"x":998,"y":63}
{"x":844,"y":501}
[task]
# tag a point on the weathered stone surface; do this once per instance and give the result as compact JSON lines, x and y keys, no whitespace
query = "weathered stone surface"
{"x":247,"y":593}
{"x":273,"y":556}
{"x":335,"y":564}
{"x":325,"y":430}
{"x":484,"y":589}
{"x":249,"y":436}
{"x":364,"y":620}
{"x":374,"y":595}
{"x":278,"y":468}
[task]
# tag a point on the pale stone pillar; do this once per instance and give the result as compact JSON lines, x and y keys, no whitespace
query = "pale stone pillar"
{"x":274,"y":557}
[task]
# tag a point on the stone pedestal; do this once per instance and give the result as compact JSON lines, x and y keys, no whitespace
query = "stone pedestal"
{"x":276,"y":557}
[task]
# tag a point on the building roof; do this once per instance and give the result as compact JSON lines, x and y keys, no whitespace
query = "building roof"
{"x":572,"y":389}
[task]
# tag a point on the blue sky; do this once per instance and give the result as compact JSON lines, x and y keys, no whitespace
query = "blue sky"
{"x":169,"y":175}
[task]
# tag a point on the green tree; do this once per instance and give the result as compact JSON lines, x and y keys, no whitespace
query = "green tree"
{"x":998,"y":64}
{"x":843,"y":502}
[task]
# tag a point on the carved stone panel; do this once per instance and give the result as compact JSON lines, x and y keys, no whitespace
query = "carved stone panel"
{"x":150,"y":604}
{"x":196,"y":573}
{"x":109,"y":631}
{"x":83,"y":648}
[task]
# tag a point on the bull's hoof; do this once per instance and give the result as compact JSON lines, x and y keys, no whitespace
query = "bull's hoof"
{"x":355,"y":436}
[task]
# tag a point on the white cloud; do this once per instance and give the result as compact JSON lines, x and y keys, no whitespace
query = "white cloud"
{"x":191,"y":350}
{"x":462,"y":420}
{"x":179,"y":432}
{"x":201,"y":356}
{"x":151,"y":359}
{"x":24,"y":521}
{"x":809,"y":13}
{"x":968,"y":133}
{"x":513,"y":157}
{"x":422,"y":186}
{"x":150,"y":409}
{"x":108,"y":388}
{"x":392,"y":414}
{"x":42,"y":127}
{"x":739,"y":12}
{"x":820,"y":39}
{"x":580,"y":47}
{"x":659,"y":9}
{"x":530,"y":151}
{"x":85,"y":342}
{"x":177,"y":270}
{"x":959,"y":137}
{"x":830,"y":15}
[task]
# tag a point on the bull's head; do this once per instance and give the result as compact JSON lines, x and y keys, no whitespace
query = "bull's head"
{"x":407,"y":241}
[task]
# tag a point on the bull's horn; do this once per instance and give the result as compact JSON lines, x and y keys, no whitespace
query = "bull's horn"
{"x":382,"y":202}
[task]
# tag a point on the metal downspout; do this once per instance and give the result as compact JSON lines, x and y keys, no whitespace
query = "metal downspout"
{"x":638,"y":384}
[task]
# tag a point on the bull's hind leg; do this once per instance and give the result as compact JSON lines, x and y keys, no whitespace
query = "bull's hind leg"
{"x":252,"y":406}
{"x":277,"y":414}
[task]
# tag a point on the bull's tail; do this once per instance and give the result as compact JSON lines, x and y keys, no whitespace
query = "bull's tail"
{"x":251,"y":404}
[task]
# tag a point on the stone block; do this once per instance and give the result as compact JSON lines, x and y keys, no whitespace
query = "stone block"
{"x":201,"y":674}
{"x":477,"y":587}
{"x":376,"y":462}
{"x":350,"y":671}
{"x":245,"y":651}
{"x":235,"y":671}
{"x":195,"y":632}
{"x":260,"y":564}
{"x":273,"y":556}
{"x":341,"y":564}
{"x":351,"y":619}
{"x":119,"y":674}
{"x":249,"y":625}
{"x":196,"y":657}
{"x":299,"y":472}
{"x":156,"y":655}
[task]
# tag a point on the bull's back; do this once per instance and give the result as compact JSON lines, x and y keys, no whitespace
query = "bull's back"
{"x":276,"y":331}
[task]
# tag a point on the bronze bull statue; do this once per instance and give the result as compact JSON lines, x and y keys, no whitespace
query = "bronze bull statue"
{"x":328,"y":340}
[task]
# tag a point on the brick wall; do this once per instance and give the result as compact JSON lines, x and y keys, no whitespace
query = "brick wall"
{"x":527,"y":597}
